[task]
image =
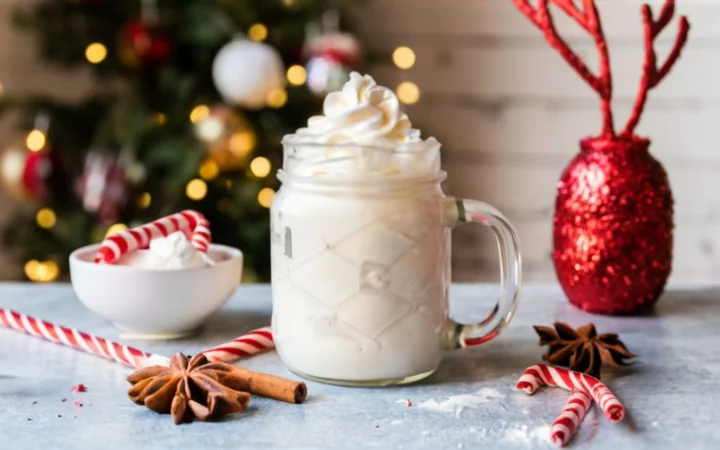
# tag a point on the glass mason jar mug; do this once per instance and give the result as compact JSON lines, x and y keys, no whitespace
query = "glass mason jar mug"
{"x":361,"y":266}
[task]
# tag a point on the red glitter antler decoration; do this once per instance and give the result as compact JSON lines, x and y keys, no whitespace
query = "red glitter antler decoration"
{"x":651,"y":76}
{"x":589,"y":19}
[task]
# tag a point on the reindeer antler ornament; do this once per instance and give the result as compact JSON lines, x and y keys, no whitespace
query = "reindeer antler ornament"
{"x":613,"y":219}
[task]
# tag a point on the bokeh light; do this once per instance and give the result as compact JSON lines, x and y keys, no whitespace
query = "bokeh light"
{"x":42,"y":272}
{"x":408,"y":92}
{"x":145,"y":200}
{"x":277,"y":98}
{"x":296,"y":75}
{"x":196,"y":189}
{"x":96,"y":53}
{"x":199,"y":113}
{"x":265,"y":197}
{"x":46,"y":218}
{"x":404,"y":57}
{"x":209,"y":170}
{"x":242,"y":143}
{"x":160,"y":118}
{"x":35,"y":140}
{"x":118,"y":227}
{"x":260,"y":167}
{"x":257,"y":32}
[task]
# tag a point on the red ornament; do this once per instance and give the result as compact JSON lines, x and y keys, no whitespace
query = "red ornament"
{"x":143,"y":45}
{"x":331,"y":57}
{"x":613,"y":221}
{"x":104,"y":187}
{"x":43,"y":175}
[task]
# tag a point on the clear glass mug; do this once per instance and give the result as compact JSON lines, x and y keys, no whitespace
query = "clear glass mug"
{"x":361,"y":266}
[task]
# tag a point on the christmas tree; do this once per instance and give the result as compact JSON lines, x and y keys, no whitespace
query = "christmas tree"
{"x":190,"y":102}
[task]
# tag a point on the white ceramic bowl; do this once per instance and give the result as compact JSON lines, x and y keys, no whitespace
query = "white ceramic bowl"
{"x":152,"y":303}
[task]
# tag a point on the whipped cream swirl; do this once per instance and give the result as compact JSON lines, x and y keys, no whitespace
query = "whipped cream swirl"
{"x":363,"y":130}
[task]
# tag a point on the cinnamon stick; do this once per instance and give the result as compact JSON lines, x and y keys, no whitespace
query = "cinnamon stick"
{"x":262,"y":384}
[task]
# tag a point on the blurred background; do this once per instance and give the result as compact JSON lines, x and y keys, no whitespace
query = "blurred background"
{"x":116,"y":112}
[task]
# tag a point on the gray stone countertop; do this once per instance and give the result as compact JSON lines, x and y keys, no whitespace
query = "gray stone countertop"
{"x":670,"y":391}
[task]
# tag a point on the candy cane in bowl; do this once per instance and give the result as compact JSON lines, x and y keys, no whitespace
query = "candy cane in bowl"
{"x":192,"y":223}
{"x":160,"y":280}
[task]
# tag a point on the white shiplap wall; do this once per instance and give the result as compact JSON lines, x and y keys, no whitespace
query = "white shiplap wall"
{"x":510,"y":113}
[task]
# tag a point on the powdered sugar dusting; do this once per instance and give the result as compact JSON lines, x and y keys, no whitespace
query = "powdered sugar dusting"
{"x":523,"y":435}
{"x":458,"y":403}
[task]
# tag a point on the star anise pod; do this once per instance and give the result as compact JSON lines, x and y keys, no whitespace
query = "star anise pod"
{"x":582,"y":350}
{"x":188,"y":389}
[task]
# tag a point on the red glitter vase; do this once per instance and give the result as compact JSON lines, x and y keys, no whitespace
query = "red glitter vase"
{"x":613,"y":222}
{"x":613,"y":227}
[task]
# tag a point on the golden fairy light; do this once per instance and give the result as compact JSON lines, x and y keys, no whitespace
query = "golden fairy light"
{"x":118,"y":227}
{"x":199,"y":113}
{"x":31,"y":268}
{"x":35,"y":140}
{"x":277,"y":98}
{"x":42,"y":272}
{"x":289,"y":3}
{"x":196,"y":189}
{"x":95,"y":53}
{"x":404,"y":57}
{"x":242,"y":142}
{"x":296,"y":75}
{"x":408,"y":92}
{"x":47,"y":271}
{"x":265,"y":197}
{"x":2,"y":88}
{"x":257,"y":32}
{"x":260,"y":167}
{"x":160,"y":118}
{"x":144,"y":200}
{"x":46,"y":218}
{"x":208,"y":170}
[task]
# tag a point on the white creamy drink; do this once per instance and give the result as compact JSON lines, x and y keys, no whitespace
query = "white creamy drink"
{"x":360,"y":247}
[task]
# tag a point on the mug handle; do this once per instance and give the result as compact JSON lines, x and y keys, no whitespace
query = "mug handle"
{"x":472,"y":211}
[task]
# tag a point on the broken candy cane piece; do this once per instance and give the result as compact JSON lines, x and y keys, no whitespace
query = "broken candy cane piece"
{"x":573,"y":413}
{"x":541,"y":374}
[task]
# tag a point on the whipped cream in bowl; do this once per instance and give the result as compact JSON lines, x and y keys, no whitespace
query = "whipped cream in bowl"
{"x":362,"y":133}
{"x":172,"y":252}
{"x":165,"y":291}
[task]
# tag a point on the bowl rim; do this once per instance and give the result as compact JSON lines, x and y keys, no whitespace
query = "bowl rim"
{"x":234,"y":254}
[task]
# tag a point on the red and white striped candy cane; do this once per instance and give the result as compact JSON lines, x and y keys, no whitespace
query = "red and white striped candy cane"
{"x":77,"y":339}
{"x":246,"y":345}
{"x":542,"y":374}
{"x":573,"y":413}
{"x":249,"y":344}
{"x":191,"y":222}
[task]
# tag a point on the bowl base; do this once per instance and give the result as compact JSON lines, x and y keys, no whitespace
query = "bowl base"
{"x":131,"y":334}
